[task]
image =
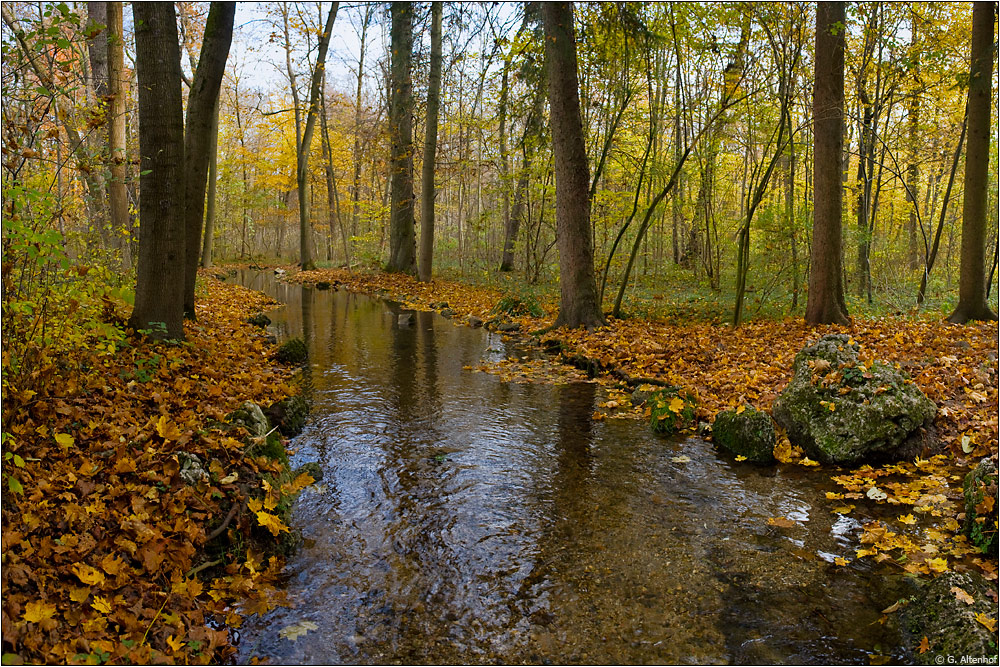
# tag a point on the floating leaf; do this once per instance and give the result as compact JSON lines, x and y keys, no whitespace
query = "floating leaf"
{"x":781,"y":522}
{"x":681,"y":459}
{"x":877,"y":494}
{"x":296,"y":630}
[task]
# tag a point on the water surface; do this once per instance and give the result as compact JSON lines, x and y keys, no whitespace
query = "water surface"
{"x":463,"y":519}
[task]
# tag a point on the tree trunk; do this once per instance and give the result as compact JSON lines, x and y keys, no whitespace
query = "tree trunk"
{"x":430,"y":149}
{"x":213,"y":176}
{"x":578,"y":304}
{"x":402,"y":237}
{"x":202,"y":99}
{"x":825,"y":304}
{"x":302,"y":154}
{"x":159,"y":290}
{"x":972,"y":303}
{"x":356,"y":189}
{"x":117,"y":86}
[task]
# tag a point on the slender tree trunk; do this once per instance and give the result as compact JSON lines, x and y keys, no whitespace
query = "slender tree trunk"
{"x":197,"y":136}
{"x":578,"y":304}
{"x":826,"y":290}
{"x":402,"y":236}
{"x":430,"y":149}
{"x":972,"y":303}
{"x":213,"y":177}
{"x":529,"y":141}
{"x":356,"y":189}
{"x":159,"y":291}
{"x":121,"y":229}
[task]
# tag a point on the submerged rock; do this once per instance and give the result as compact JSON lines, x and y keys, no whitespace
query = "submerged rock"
{"x":940,"y":611}
{"x":980,"y":488}
{"x":841,"y":411}
{"x":747,"y":432}
{"x":312,"y":468}
{"x":289,"y":415}
{"x":292,"y":351}
{"x":405,"y":319}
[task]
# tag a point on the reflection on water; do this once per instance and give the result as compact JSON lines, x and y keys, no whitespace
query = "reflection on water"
{"x":465,"y":520}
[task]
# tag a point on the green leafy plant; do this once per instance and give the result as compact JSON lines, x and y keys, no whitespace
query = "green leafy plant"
{"x":671,"y":409}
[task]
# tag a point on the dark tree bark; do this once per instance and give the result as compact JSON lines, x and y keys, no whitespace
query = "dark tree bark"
{"x":159,"y":290}
{"x":430,"y":149}
{"x":97,"y":47}
{"x":213,"y":175}
{"x":826,"y":290}
{"x":578,"y":302}
{"x":532,"y":131}
{"x":198,"y":135}
{"x":402,"y":236}
{"x":972,"y":303}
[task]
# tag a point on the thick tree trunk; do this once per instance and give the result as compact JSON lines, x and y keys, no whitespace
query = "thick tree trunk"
{"x":972,"y":303}
{"x":430,"y":149}
{"x":159,"y":291}
{"x":402,"y":237}
{"x":578,"y":304}
{"x":121,"y":228}
{"x":197,"y":135}
{"x":825,"y":304}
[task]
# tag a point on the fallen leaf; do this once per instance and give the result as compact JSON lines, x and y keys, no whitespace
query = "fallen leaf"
{"x":101,"y":605}
{"x":840,"y":561}
{"x":877,"y":494}
{"x":908,"y":519}
{"x":87,"y":574}
{"x":781,"y":522}
{"x":987,"y":622}
{"x":924,"y":645}
{"x":961,"y":595}
{"x":38,"y":611}
{"x":296,"y":630}
{"x":681,"y":459}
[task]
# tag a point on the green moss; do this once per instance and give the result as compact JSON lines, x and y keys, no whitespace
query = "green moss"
{"x":516,"y":305}
{"x":292,"y":351}
{"x":980,"y":483}
{"x":748,"y":433}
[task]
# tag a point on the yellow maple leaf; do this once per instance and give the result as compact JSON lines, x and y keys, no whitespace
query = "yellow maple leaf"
{"x":924,"y":645}
{"x":37,"y":611}
{"x":938,"y":564}
{"x":676,"y":405}
{"x":741,"y":409}
{"x":843,"y":509}
{"x":87,"y":574}
{"x":840,"y":561}
{"x":987,"y":622}
{"x":79,"y":594}
{"x":271,"y":522}
{"x":101,"y":605}
{"x":167,"y":429}
{"x":176,"y":643}
{"x":908,"y":519}
{"x":741,"y":458}
{"x":255,"y":504}
{"x":64,"y":440}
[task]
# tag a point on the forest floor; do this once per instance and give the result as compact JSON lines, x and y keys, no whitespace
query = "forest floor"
{"x":109,"y":556}
{"x":955,"y":366}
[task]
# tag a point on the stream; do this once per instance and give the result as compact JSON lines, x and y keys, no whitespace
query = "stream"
{"x":464,"y":519}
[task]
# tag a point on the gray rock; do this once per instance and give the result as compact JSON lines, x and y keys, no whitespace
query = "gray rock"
{"x":251,"y":417}
{"x":749,"y":433}
{"x":192,"y":470}
{"x":840,"y":411}
{"x":981,"y":529}
{"x":448,"y":312}
{"x":950,"y":625}
{"x":475,"y":321}
{"x":509,"y":327}
{"x":639,"y":397}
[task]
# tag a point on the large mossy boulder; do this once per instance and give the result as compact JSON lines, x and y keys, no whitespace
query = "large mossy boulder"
{"x":289,"y":415}
{"x":292,"y":351}
{"x":745,"y":432}
{"x":251,"y":417}
{"x":940,"y":611}
{"x":839,"y":410}
{"x":980,"y":506}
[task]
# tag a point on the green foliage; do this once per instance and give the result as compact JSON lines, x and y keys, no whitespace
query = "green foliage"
{"x":57,"y":311}
{"x":671,"y":409}
{"x":516,"y":305}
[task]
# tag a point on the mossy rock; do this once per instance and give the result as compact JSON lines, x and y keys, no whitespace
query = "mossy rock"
{"x":981,"y":524}
{"x":289,"y":415}
{"x":312,"y":468}
{"x":323,"y":285}
{"x":671,"y":409}
{"x":841,"y":411}
{"x":251,"y":417}
{"x":292,"y":351}
{"x":950,"y":625}
{"x":259,"y":320}
{"x":747,"y":432}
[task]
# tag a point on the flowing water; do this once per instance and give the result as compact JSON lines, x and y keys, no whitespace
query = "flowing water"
{"x":464,"y":519}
